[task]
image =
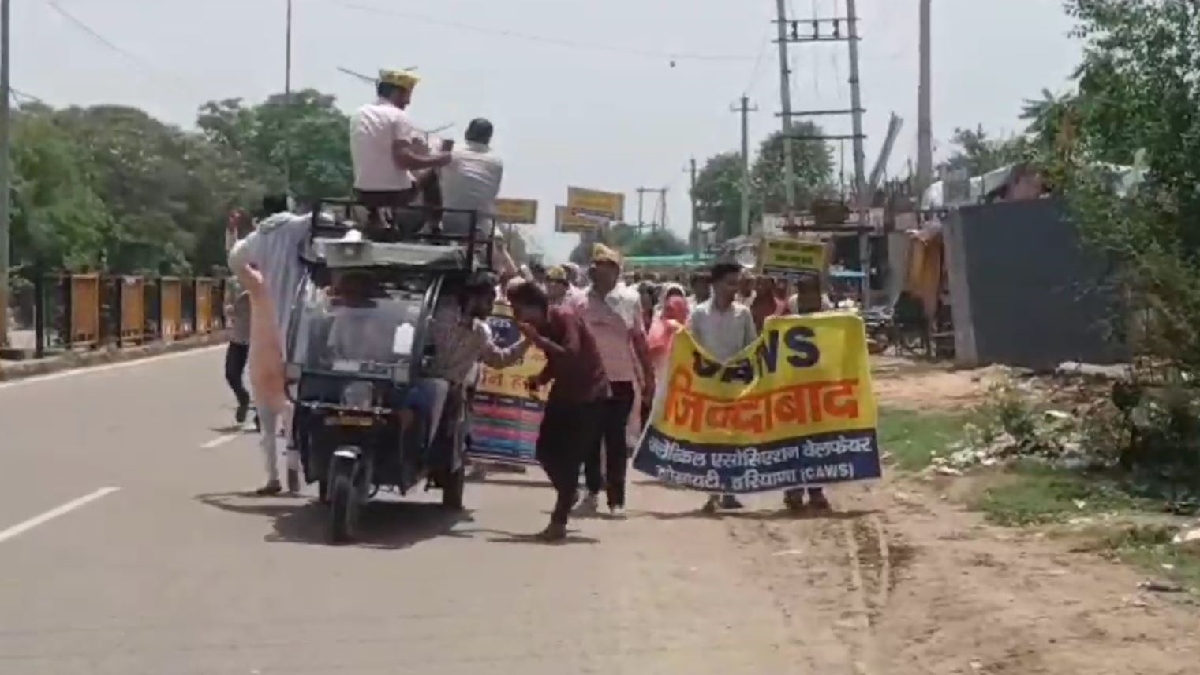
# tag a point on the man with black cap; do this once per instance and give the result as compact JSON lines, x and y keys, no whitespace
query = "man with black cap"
{"x":392,"y":163}
{"x":471,"y":182}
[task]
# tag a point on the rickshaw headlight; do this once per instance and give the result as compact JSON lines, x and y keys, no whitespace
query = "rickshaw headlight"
{"x":358,"y":395}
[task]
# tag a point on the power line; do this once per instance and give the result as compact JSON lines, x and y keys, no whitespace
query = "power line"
{"x":544,"y":39}
{"x":83,"y":26}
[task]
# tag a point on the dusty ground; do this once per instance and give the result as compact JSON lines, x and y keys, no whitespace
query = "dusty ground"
{"x":902,"y":582}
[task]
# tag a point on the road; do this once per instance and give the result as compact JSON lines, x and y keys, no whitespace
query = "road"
{"x":166,"y":568}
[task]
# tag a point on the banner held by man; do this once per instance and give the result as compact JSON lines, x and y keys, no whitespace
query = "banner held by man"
{"x":794,"y":409}
{"x":506,"y":415}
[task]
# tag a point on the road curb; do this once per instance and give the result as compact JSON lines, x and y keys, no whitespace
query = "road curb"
{"x":17,"y":370}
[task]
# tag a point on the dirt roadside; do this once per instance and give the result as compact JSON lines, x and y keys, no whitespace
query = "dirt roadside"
{"x":909,"y":584}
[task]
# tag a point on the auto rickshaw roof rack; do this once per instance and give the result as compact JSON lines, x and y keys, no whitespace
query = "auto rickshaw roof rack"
{"x":379,"y":243}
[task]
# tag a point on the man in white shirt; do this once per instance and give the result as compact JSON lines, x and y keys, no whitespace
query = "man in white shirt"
{"x":723,"y":327}
{"x":275,"y":248}
{"x":392,"y":163}
{"x":471,"y":181}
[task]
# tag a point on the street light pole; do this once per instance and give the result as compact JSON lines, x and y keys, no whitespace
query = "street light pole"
{"x":5,"y":168}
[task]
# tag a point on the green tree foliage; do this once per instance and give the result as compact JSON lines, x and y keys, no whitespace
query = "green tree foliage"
{"x":976,"y":152}
{"x":718,"y":191}
{"x":812,"y":164}
{"x":630,"y":242}
{"x":111,"y":187}
{"x":1138,"y":103}
{"x":718,"y":194}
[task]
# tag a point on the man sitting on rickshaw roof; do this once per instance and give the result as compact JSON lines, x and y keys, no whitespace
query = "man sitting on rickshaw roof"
{"x":392,"y":162}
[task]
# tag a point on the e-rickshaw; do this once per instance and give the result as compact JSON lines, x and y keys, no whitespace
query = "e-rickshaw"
{"x":367,"y":416}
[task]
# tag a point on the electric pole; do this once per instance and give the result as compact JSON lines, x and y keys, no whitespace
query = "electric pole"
{"x":287,"y":98}
{"x":785,"y":109}
{"x":824,"y":31}
{"x":5,"y":169}
{"x":695,"y":211}
{"x":745,"y":109}
{"x":924,"y":105}
{"x":661,"y":206}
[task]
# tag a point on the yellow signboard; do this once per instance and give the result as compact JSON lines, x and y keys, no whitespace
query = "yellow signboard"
{"x":789,"y":257}
{"x":517,"y":211}
{"x":610,"y":205}
{"x":565,"y":220}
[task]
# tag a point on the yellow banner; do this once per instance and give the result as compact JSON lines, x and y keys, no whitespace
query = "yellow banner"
{"x":565,"y":221}
{"x":782,"y":256}
{"x":609,"y":205}
{"x":517,"y":211}
{"x":795,"y":408}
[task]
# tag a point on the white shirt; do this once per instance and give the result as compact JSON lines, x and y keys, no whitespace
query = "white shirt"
{"x":471,"y":182}
{"x":275,"y":247}
{"x":373,"y":129}
{"x":722,"y":333}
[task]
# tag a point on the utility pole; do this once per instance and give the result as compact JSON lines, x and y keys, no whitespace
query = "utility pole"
{"x":695,"y":238}
{"x":863,"y":200}
{"x":924,"y":104}
{"x":5,"y":168}
{"x":745,"y":109}
{"x":824,"y":31}
{"x":661,"y":206}
{"x":785,"y":108}
{"x":287,"y":99}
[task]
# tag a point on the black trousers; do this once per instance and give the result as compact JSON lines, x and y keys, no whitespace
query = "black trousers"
{"x":614,"y":422}
{"x":235,"y":367}
{"x":567,"y":429}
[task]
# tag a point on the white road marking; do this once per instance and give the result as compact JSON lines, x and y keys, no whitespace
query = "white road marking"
{"x":23,"y":527}
{"x":219,"y":441}
{"x":88,"y":370}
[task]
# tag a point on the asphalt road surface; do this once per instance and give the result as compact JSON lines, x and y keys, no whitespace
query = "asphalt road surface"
{"x":127,"y":546}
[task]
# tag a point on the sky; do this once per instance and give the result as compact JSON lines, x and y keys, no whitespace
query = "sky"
{"x":582,"y":93}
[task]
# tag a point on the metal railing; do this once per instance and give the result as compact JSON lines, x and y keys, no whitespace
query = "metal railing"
{"x":60,"y":312}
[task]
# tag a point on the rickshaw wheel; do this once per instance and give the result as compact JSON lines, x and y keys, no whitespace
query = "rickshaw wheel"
{"x":453,"y":489}
{"x":343,"y":508}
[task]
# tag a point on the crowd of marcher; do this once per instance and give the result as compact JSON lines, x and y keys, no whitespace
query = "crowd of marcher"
{"x":606,"y":333}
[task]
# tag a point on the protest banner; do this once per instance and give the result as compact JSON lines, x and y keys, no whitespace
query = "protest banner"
{"x":505,"y":416}
{"x":793,"y":409}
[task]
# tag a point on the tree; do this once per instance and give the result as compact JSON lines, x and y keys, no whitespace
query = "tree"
{"x":57,"y":218}
{"x":1137,"y":103}
{"x":1046,"y":116}
{"x":628,"y":241}
{"x":657,"y":242}
{"x":718,"y":194}
{"x":308,"y":136}
{"x":978,"y":153}
{"x":812,"y":165}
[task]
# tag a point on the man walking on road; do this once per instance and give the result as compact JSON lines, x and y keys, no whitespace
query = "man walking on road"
{"x":275,"y":248}
{"x":613,"y":314}
{"x":238,"y":350}
{"x":571,"y":421}
{"x":723,"y":327}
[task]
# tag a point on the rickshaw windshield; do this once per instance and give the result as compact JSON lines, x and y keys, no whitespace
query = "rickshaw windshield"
{"x":367,"y":334}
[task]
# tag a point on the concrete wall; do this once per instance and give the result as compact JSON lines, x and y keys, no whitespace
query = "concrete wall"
{"x":1024,"y":292}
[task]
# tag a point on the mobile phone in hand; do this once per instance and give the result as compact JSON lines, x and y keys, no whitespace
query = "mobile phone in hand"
{"x":447,"y":145}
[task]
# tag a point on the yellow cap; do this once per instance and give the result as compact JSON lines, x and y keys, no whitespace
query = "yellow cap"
{"x":405,"y":79}
{"x":604,"y":254}
{"x":556,"y":273}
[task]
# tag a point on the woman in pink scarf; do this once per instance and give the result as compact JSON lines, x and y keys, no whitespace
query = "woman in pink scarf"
{"x":670,"y":321}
